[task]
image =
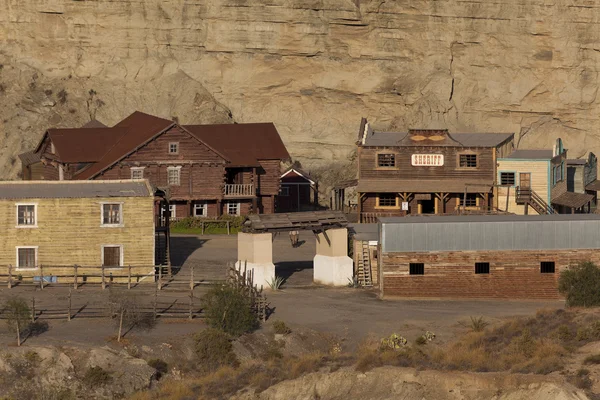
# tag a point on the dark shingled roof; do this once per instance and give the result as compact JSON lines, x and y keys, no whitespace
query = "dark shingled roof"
{"x":531,"y":155}
{"x":84,"y":144}
{"x":243,"y":144}
{"x":573,"y":200}
{"x":29,"y":157}
{"x":595,"y":185}
{"x":94,"y":124}
{"x":442,"y":138}
{"x":311,"y":220}
{"x":73,"y":189}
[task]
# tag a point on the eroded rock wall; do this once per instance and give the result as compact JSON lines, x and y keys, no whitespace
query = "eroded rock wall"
{"x":313,"y":67}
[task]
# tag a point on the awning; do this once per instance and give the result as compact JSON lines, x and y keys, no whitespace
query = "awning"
{"x":573,"y":200}
{"x":422,"y":186}
{"x":595,"y":185}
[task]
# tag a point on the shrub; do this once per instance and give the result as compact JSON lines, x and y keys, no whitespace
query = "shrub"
{"x":230,"y":309}
{"x":281,"y":328}
{"x":273,"y":351}
{"x":593,"y":359}
{"x":478,"y":324}
{"x":128,"y":310}
{"x":581,"y":379}
{"x":214,"y":349}
{"x":581,"y":285}
{"x":96,"y":376}
{"x":563,"y":332}
{"x":275,"y":283}
{"x":160,"y":366}
{"x":368,"y":361}
{"x":62,"y":96}
{"x":421,"y":340}
{"x":18,"y":316}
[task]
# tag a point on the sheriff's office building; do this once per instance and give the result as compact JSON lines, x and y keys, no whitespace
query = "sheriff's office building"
{"x":483,"y":256}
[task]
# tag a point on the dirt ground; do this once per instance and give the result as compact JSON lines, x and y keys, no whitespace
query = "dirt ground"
{"x":351,"y":314}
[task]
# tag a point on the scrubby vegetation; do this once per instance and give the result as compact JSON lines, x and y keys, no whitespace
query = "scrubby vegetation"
{"x":228,"y":308}
{"x":581,"y":285}
{"x":96,"y":376}
{"x":280,"y":327}
{"x":193,"y":225}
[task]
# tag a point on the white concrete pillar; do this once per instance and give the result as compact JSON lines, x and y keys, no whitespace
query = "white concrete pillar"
{"x":332,"y":266}
{"x":255,"y":253}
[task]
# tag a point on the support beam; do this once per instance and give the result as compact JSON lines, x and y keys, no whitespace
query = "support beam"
{"x":332,"y":266}
{"x":255,"y":252}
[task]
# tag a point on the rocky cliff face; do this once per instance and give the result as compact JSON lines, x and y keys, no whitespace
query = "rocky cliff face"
{"x":313,"y":67}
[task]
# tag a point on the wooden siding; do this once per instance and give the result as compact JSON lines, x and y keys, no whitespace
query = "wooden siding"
{"x":69,"y":232}
{"x":513,"y":275}
{"x":269,"y":177}
{"x":451,"y":204}
{"x":539,"y":182}
{"x":404,"y":169}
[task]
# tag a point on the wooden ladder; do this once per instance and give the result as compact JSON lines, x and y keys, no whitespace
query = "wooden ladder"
{"x":364,"y":266}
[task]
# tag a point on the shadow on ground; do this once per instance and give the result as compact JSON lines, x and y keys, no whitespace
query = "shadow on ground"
{"x":295,"y":273}
{"x":182,"y":248}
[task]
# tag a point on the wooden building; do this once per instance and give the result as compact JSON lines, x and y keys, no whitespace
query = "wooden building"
{"x":205,"y":170}
{"x":299,"y":192}
{"x":427,"y":171}
{"x":483,"y":256}
{"x":582,"y":177}
{"x":85,"y":223}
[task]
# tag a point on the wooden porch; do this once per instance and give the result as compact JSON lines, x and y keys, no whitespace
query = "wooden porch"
{"x":238,"y":190}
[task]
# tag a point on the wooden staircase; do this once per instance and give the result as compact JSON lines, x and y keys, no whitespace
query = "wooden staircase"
{"x":364,"y":266}
{"x":529,"y":197}
{"x":161,"y":248}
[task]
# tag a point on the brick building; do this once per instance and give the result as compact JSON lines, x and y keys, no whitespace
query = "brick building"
{"x":206,"y":170}
{"x":478,"y":256}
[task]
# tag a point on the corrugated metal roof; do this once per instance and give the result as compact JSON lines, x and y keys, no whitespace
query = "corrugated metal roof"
{"x":29,"y":157}
{"x":502,"y":232}
{"x":243,"y":144}
{"x":72,"y":189}
{"x":422,"y":186}
{"x":365,"y":232}
{"x":446,"y":140}
{"x":573,"y":200}
{"x":531,"y":155}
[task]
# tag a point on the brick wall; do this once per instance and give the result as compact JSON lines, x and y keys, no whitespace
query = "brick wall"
{"x":513,"y":275}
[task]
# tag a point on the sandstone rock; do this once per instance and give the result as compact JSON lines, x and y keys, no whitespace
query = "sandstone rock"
{"x":313,"y":67}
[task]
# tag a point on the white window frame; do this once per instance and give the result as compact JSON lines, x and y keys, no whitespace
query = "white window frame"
{"x":286,"y":192}
{"x":17,"y":258}
{"x":178,"y":169}
{"x":238,"y":207}
{"x":35,"y":215}
{"x":121,"y":258}
{"x":203,"y":207}
{"x":121,"y":222}
{"x":137,"y":169}
{"x":172,"y":211}
{"x":176,"y":144}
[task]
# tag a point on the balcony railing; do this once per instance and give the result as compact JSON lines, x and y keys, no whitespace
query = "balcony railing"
{"x":239,"y":190}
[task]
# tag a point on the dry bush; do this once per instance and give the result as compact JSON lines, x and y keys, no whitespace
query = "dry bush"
{"x":305,"y":365}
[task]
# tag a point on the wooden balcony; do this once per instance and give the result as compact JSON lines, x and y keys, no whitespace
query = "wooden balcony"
{"x":243,"y":190}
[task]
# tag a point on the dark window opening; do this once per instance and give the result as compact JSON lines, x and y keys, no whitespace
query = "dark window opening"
{"x":471,"y":200}
{"x":547,"y":267}
{"x":507,"y":178}
{"x":387,"y":200}
{"x":482,"y":268}
{"x":416,"y":268}
{"x":386,"y":160}
{"x":112,"y":256}
{"x":468,"y":161}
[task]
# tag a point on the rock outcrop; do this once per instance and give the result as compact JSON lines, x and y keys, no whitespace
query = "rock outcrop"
{"x":313,"y":67}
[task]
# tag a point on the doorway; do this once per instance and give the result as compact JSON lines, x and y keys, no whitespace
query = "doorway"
{"x":525,"y":180}
{"x":428,"y":206}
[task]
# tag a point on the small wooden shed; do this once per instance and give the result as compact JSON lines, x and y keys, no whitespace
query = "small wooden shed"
{"x":299,"y":192}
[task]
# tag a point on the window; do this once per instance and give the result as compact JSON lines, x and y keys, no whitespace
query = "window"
{"x":233,"y":208}
{"x":547,"y":267}
{"x":112,"y":214}
{"x":482,"y":268}
{"x":285,"y":191}
{"x":507,"y":178}
{"x":416,"y":268}
{"x":112,"y":256}
{"x":200,"y":210}
{"x":556,"y":175}
{"x":387,"y":200}
{"x":468,"y":161}
{"x":27,"y":257}
{"x":173,"y":176}
{"x":137,"y":172}
{"x":386,"y":160}
{"x":471,"y":200}
{"x":26,"y":215}
{"x":174,"y":148}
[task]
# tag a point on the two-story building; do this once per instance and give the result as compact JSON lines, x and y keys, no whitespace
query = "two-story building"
{"x":86,"y":223}
{"x":205,"y":170}
{"x":427,"y":171}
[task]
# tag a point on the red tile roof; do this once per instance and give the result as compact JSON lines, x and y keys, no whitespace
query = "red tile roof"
{"x":243,"y":144}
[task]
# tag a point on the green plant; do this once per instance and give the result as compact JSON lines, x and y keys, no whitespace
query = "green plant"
{"x":273,"y":351}
{"x":214,"y":349}
{"x":524,"y":344}
{"x":275,"y":283}
{"x":563,"y":332}
{"x":96,"y":376}
{"x":581,"y":285}
{"x":19,"y":277}
{"x":478,"y":324}
{"x":581,"y":379}
{"x":593,"y":359}
{"x":353,"y":282}
{"x":421,"y":340}
{"x":160,"y":366}
{"x":583,"y":334}
{"x":18,"y":316}
{"x":230,"y":309}
{"x":129,"y":315}
{"x":393,"y":342}
{"x":281,"y":328}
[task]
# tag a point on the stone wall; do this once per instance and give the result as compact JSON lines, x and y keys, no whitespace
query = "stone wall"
{"x":312,"y":67}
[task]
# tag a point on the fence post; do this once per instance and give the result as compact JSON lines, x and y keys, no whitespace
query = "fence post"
{"x":202,"y":225}
{"x":9,"y":276}
{"x":191,"y":303}
{"x":69,"y":314}
{"x":154,"y":303}
{"x":103,"y":279}
{"x":33,"y":309}
{"x":75,"y":276}
{"x":228,"y":227}
{"x":160,"y":277}
{"x":192,"y":278}
{"x":129,"y":277}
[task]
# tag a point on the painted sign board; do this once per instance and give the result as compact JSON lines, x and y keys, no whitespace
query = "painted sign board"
{"x":427,"y":160}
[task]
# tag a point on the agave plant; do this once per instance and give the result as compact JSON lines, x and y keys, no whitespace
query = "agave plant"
{"x":275,"y":283}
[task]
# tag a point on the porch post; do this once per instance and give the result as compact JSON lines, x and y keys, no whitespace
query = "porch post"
{"x":219,"y":208}
{"x":359,"y":206}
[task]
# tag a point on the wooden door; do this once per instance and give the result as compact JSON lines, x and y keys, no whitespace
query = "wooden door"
{"x":525,"y":180}
{"x":112,"y":256}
